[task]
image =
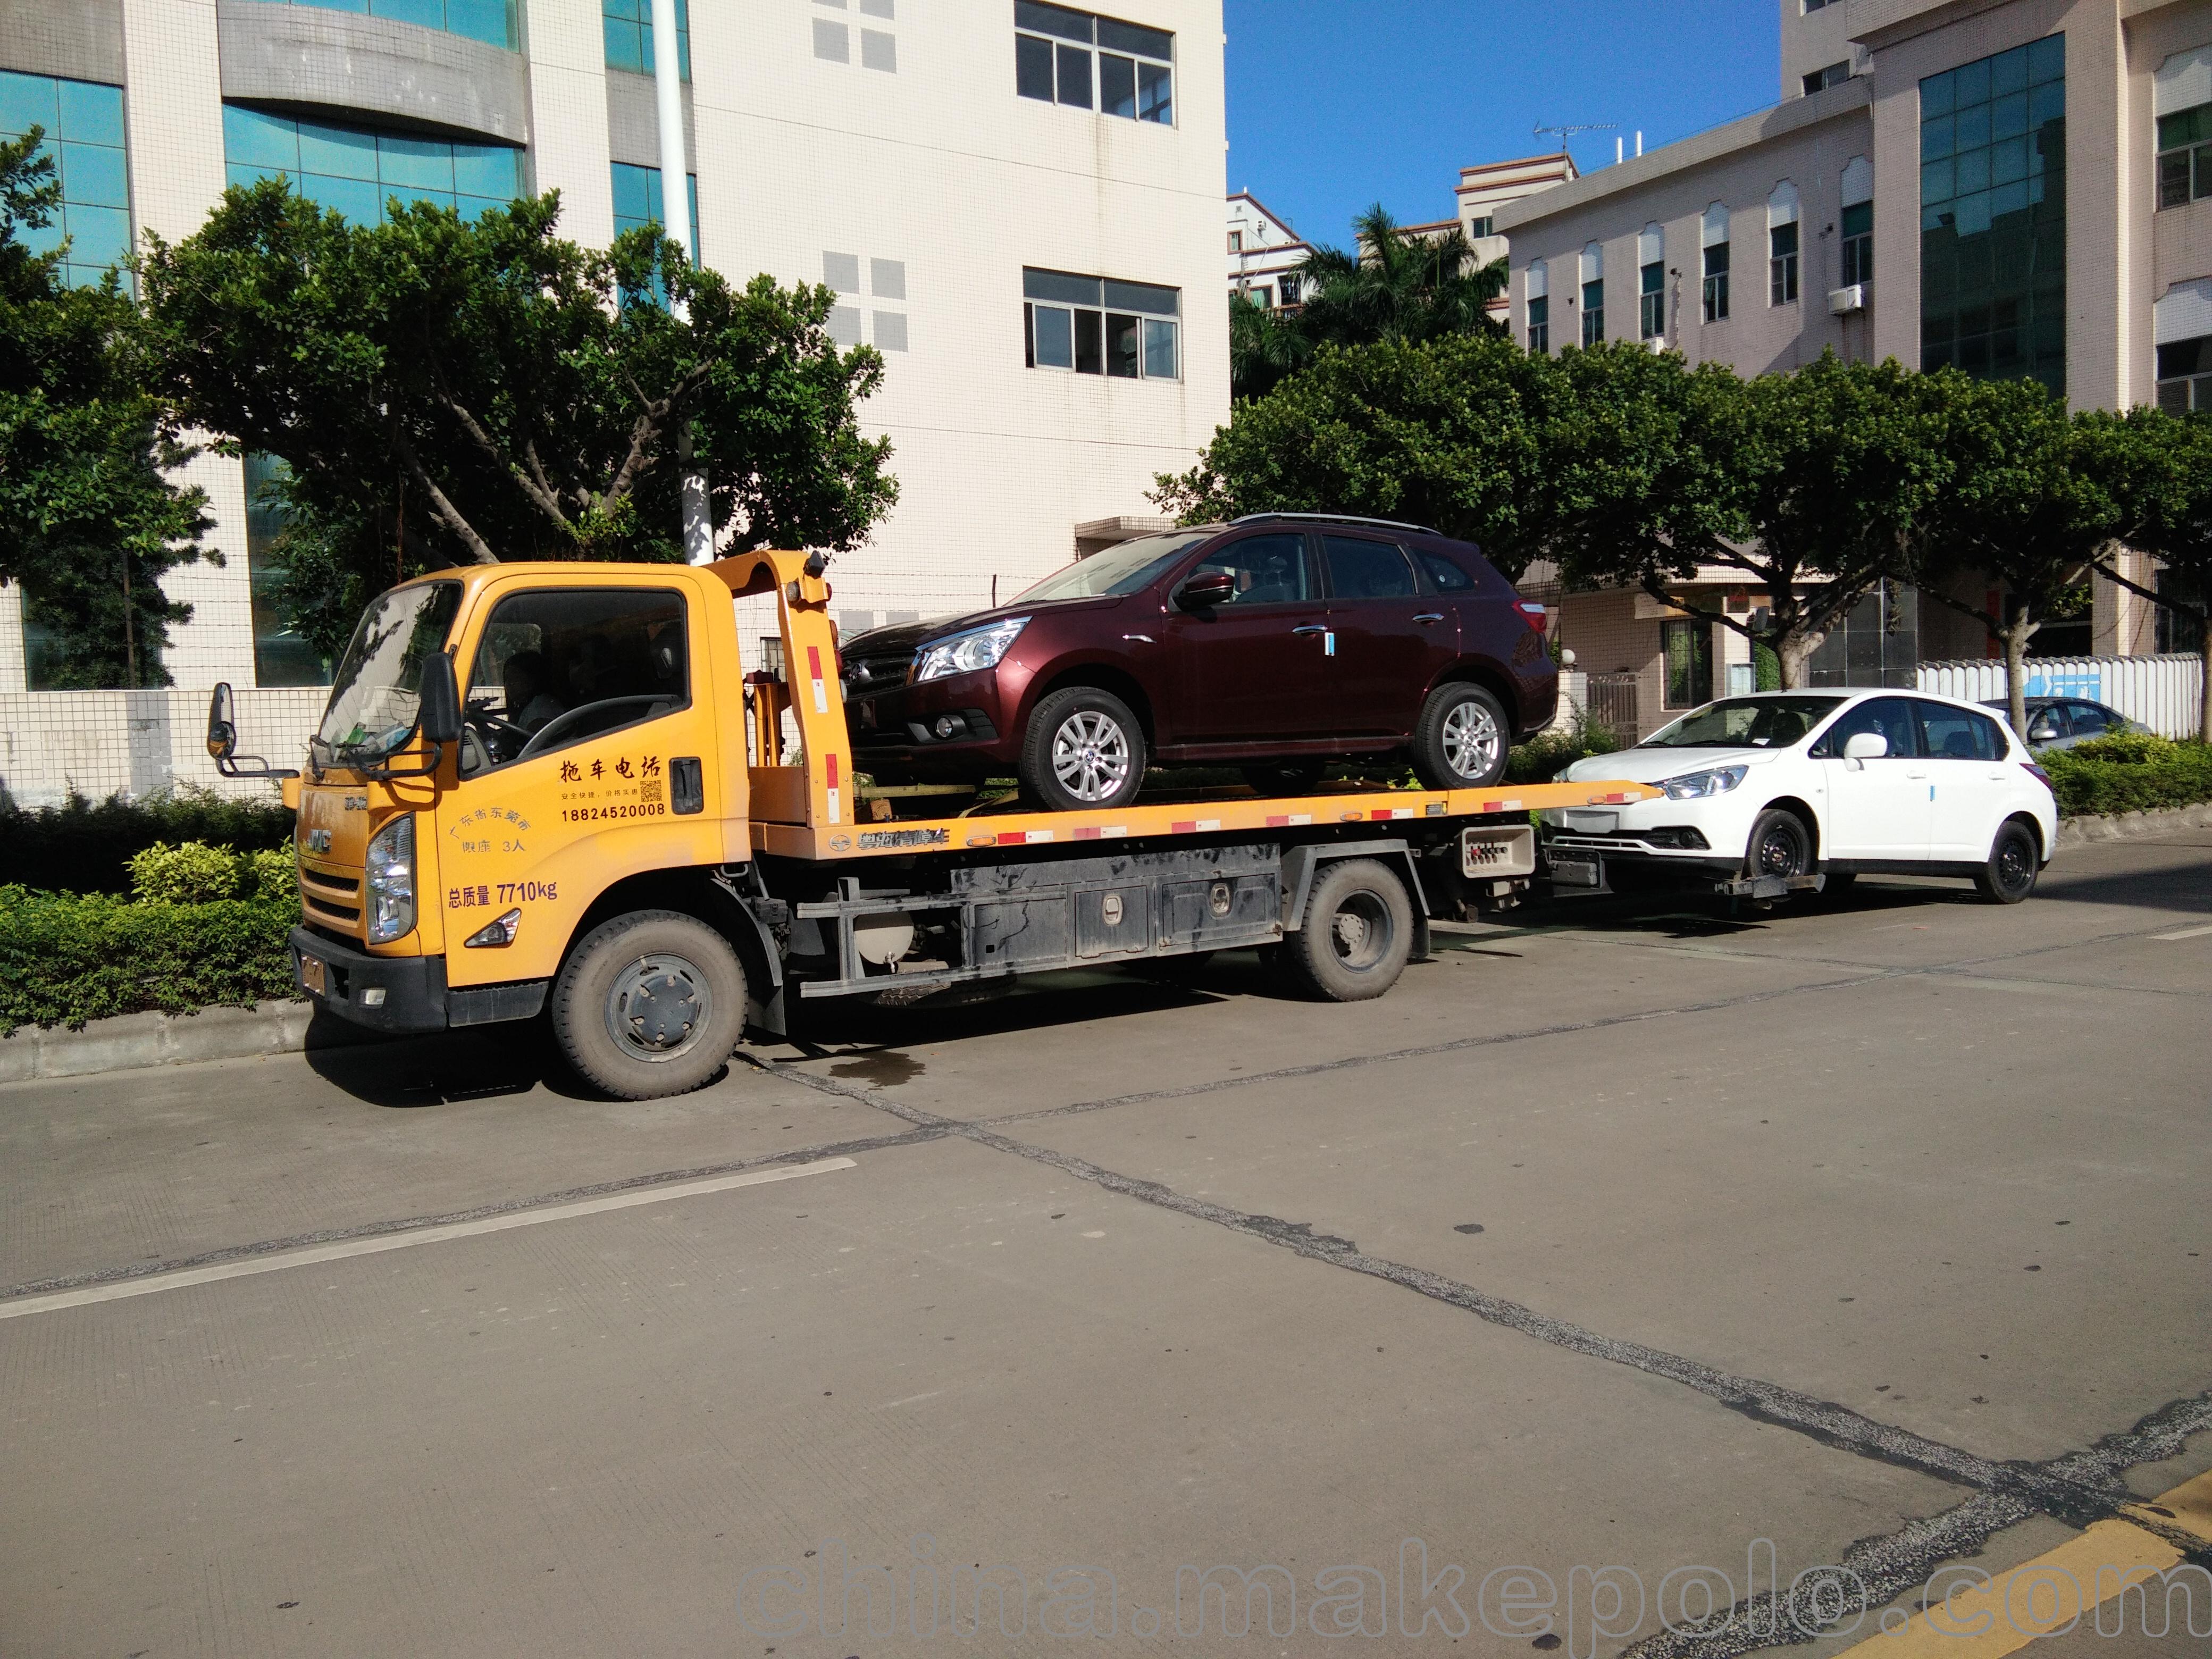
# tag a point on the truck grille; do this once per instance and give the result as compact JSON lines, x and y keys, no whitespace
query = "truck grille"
{"x":330,"y":895}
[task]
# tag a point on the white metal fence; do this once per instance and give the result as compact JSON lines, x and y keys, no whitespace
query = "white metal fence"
{"x":98,"y":743}
{"x":2163,"y":692}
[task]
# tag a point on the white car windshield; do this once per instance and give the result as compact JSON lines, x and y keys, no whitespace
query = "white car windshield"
{"x":1122,"y":568}
{"x":1745,"y":723}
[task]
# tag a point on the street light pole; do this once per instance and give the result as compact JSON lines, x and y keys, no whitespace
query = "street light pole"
{"x":676,"y":223}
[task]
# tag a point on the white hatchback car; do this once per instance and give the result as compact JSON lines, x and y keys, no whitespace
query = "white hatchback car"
{"x":1794,"y":783}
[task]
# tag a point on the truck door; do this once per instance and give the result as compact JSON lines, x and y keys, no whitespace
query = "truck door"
{"x":1392,"y":639}
{"x":585,"y":758}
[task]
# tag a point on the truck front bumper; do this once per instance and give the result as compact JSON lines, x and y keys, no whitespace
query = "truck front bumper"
{"x":384,"y":993}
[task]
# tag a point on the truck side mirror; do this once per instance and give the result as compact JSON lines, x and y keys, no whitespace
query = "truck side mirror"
{"x":441,"y":713}
{"x":222,"y":723}
{"x":1207,"y":588}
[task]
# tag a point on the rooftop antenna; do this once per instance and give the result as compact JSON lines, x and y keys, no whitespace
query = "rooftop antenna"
{"x":1567,"y":132}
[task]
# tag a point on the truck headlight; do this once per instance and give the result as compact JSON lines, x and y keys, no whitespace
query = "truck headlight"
{"x":1693,"y":785}
{"x":963,"y":654}
{"x":390,"y":887}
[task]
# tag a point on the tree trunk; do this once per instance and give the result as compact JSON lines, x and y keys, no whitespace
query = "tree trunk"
{"x":1793,"y":651}
{"x":2017,"y":633}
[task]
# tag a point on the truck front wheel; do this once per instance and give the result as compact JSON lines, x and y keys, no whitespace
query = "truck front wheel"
{"x":649,"y":1004}
{"x":1358,"y":933}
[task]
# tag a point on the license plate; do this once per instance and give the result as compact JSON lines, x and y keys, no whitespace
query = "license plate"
{"x":313,"y":975}
{"x":1594,"y":824}
{"x":1574,"y":873}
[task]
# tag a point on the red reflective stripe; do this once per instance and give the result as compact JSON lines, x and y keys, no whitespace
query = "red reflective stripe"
{"x":1186,"y":827}
{"x":1086,"y":834}
{"x":814,"y":661}
{"x":1015,"y":838}
{"x":1282,"y":822}
{"x":829,"y":765}
{"x":1493,"y":806}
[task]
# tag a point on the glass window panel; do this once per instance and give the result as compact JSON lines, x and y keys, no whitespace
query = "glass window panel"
{"x":1074,"y":76}
{"x":1936,"y":96}
{"x":1055,"y":337}
{"x":358,"y":199}
{"x":1973,"y":82}
{"x":91,"y":112}
{"x":253,"y":139}
{"x":43,"y":238}
{"x":1160,"y":349}
{"x":625,"y":47}
{"x":1155,"y":93}
{"x":2005,"y":201}
{"x":879,"y":51}
{"x":1090,"y":351}
{"x":2008,"y":71}
{"x":1033,"y":67}
{"x":1122,"y":358}
{"x":634,"y":191}
{"x":339,"y":152}
{"x":242,"y":176}
{"x":1267,"y":569}
{"x":890,"y":331}
{"x":490,"y":20}
{"x":1858,"y":219}
{"x":1973,"y":171}
{"x":473,"y":208}
{"x":1117,"y":85}
{"x":95,"y":174}
{"x":1973,"y":214}
{"x":27,"y":101}
{"x":99,"y":236}
{"x":1935,"y":138}
{"x":409,"y":163}
{"x":1061,"y":285}
{"x":841,"y":271}
{"x":2008,"y":161}
{"x":1971,"y":128}
{"x":1128,"y":37}
{"x":425,"y":14}
{"x":844,"y":325}
{"x":1143,"y":297}
{"x":492,"y":170}
{"x":2046,"y":59}
{"x":2046,"y":104}
{"x":887,"y":278}
{"x":2174,"y":130}
{"x":832,"y":42}
{"x":2009,"y":117}
{"x":1361,"y":569}
{"x":1053,"y":20}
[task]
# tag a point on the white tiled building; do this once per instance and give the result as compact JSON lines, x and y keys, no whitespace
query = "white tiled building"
{"x":1017,"y":202}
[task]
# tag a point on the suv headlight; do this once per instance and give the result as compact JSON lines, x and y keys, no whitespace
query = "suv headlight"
{"x":963,"y":654}
{"x":390,"y":888}
{"x":1693,"y":785}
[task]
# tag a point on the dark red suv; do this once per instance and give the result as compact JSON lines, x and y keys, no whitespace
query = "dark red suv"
{"x":1276,"y":644}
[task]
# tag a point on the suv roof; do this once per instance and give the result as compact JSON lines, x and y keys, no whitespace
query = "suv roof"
{"x":1337,"y":518}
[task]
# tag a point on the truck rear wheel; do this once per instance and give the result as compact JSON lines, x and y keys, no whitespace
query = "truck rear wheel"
{"x":1358,"y":933}
{"x":649,"y":1004}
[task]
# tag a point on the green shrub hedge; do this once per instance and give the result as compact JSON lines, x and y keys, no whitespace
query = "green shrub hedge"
{"x":87,"y":847}
{"x":2128,"y":774}
{"x":1548,"y":754}
{"x":69,"y":958}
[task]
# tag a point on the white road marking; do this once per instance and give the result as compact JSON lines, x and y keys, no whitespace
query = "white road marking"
{"x":2186,"y":933}
{"x":87,"y":1294}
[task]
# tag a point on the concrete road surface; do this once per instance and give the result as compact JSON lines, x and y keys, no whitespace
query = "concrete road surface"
{"x":1614,"y":1274}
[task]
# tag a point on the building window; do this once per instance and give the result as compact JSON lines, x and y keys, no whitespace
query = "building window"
{"x":1781,"y":264}
{"x":281,"y":657}
{"x":490,"y":20}
{"x":1821,"y":79}
{"x":1687,"y":647}
{"x":1713,"y":277}
{"x":1594,"y":313}
{"x":1651,"y":300}
{"x":833,"y":42}
{"x":1291,"y":288}
{"x":1478,"y":227}
{"x":627,"y":26}
{"x":1876,"y":642}
{"x":1053,"y":49}
{"x":82,"y":122}
{"x":1811,"y":6}
{"x":356,"y":169}
{"x":1236,"y":241}
{"x":1097,"y":325}
{"x":637,"y":200}
{"x":886,"y":284}
{"x":2184,"y":376}
{"x":1857,"y":252}
{"x":2185,"y":156}
{"x":1993,"y":215}
{"x":1540,"y":323}
{"x":2178,"y":632}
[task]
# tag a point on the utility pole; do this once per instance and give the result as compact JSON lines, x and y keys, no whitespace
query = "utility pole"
{"x":676,"y":223}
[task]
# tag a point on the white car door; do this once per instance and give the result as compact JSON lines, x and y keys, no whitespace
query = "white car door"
{"x":1878,"y":808}
{"x":1971,"y":786}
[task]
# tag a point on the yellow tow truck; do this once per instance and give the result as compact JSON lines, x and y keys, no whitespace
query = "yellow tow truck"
{"x":553,"y":790}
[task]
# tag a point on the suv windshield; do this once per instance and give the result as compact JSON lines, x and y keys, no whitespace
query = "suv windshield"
{"x":1745,"y":723}
{"x":1122,"y":568}
{"x":377,"y":690}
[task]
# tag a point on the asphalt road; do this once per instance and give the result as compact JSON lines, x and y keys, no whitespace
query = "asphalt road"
{"x":1603,"y":1248}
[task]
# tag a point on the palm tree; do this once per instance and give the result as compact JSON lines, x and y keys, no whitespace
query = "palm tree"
{"x":1265,"y":346}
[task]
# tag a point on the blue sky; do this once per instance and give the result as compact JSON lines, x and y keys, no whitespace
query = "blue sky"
{"x":1334,"y":103}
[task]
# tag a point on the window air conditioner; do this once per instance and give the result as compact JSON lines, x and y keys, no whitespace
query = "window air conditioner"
{"x":1841,"y":301}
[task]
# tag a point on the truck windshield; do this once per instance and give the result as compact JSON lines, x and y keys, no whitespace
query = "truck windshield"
{"x":1744,"y":723}
{"x":1122,"y":568}
{"x":377,"y":691}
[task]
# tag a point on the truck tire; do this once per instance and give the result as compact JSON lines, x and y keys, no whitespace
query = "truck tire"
{"x":1463,"y":739}
{"x":649,"y":1004}
{"x":1358,"y":933}
{"x":1084,"y":749}
{"x":2009,"y":875}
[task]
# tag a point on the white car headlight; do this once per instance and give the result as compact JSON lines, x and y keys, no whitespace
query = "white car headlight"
{"x":390,"y":888}
{"x":963,"y":654}
{"x":1694,"y":786}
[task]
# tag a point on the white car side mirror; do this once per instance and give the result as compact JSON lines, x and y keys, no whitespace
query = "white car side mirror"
{"x":1865,"y":745}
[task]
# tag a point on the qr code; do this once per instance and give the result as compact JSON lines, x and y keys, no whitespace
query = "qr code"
{"x":648,"y":792}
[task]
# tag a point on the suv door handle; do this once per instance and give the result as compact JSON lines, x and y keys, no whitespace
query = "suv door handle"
{"x":1312,"y":628}
{"x":1430,"y":616}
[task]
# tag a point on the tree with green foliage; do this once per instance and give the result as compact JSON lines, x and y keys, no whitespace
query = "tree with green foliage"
{"x":2165,"y":463}
{"x":89,"y":520}
{"x":1389,"y":286}
{"x":444,"y":391}
{"x":1806,"y":485}
{"x":2034,"y":500}
{"x":1448,"y":433}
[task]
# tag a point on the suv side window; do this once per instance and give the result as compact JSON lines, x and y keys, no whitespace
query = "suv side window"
{"x":1890,"y":716}
{"x":557,"y":666}
{"x":2087,"y":719}
{"x":1948,"y":733}
{"x":1269,"y":569}
{"x":1361,"y":569}
{"x":1446,"y":574}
